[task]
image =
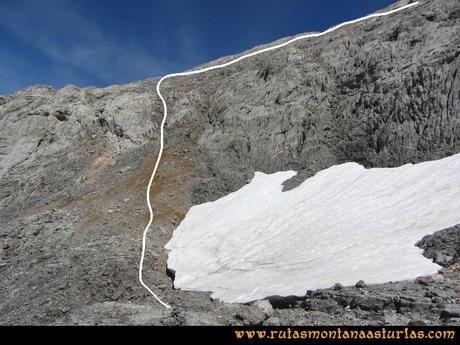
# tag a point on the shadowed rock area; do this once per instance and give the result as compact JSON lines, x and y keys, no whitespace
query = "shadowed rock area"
{"x":74,"y":166}
{"x":443,"y":246}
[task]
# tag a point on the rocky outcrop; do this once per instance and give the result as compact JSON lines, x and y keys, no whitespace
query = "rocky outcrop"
{"x":74,"y":165}
{"x":443,"y":246}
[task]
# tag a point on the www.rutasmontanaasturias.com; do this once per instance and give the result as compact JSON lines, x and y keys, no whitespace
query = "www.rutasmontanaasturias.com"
{"x":340,"y":333}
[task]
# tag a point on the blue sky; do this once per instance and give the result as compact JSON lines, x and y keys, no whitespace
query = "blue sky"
{"x":103,"y":42}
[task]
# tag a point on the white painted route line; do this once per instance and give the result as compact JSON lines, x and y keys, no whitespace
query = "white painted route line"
{"x":149,"y":186}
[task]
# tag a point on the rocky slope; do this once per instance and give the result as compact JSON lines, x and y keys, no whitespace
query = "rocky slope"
{"x":74,"y":165}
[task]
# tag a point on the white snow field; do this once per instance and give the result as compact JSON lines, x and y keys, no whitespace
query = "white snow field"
{"x":344,"y":224}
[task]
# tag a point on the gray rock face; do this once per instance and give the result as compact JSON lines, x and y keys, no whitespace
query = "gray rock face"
{"x":74,"y":165}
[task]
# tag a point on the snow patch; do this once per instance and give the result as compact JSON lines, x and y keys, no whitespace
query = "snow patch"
{"x":344,"y":224}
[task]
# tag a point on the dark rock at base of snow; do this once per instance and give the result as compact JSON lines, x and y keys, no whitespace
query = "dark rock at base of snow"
{"x":425,"y":280}
{"x":442,"y":246}
{"x":360,"y":284}
{"x":282,"y":302}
